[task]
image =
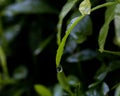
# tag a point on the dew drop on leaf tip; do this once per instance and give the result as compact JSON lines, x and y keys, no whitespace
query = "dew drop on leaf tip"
{"x":59,"y":69}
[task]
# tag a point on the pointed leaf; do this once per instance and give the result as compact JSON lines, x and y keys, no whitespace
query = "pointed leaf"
{"x":58,"y":90}
{"x":82,"y":30}
{"x":28,"y":6}
{"x":42,"y":45}
{"x":60,"y":50}
{"x":42,"y":90}
{"x":66,"y":8}
{"x":117,"y":91}
{"x":109,"y":15}
{"x":11,"y":32}
{"x":63,"y":81}
{"x":85,"y":7}
{"x":81,"y":56}
{"x":20,"y":73}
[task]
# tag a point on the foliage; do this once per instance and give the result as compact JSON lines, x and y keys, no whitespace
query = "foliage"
{"x":84,"y":36}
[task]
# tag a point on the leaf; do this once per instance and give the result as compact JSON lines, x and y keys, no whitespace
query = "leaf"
{"x":117,"y":24}
{"x":11,"y":32}
{"x":19,"y":92}
{"x":60,"y":50}
{"x":66,"y":8}
{"x":104,"y":70}
{"x":100,"y":89}
{"x":105,"y":89}
{"x":63,"y":81}
{"x":42,"y":45}
{"x":117,"y":91}
{"x":82,"y":30}
{"x":101,"y":73}
{"x":109,"y":16}
{"x":73,"y":81}
{"x":70,"y":45}
{"x":81,"y":56}
{"x":20,"y":73}
{"x":42,"y":90}
{"x":58,"y":90}
{"x":114,"y":65}
{"x":85,"y":7}
{"x":28,"y":6}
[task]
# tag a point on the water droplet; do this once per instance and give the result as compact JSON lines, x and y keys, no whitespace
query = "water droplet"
{"x":59,"y":68}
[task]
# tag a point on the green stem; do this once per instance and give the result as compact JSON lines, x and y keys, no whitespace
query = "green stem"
{"x":2,"y":54}
{"x":103,"y":5}
{"x":112,"y":52}
{"x":3,"y":63}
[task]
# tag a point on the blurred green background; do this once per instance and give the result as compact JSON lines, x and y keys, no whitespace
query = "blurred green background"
{"x":28,"y":47}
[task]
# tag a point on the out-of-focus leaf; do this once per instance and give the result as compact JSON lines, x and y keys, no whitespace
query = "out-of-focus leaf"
{"x":19,"y":92}
{"x":105,"y":88}
{"x":66,"y":8}
{"x":117,"y":24}
{"x":20,"y":73}
{"x":72,"y":80}
{"x":42,"y":90}
{"x":82,"y":56}
{"x":99,"y":90}
{"x":104,"y":70}
{"x":63,"y":81}
{"x":28,"y":6}
{"x":60,"y":50}
{"x":42,"y":45}
{"x":11,"y":32}
{"x":70,"y":45}
{"x":82,"y":30}
{"x":109,"y":16}
{"x":117,"y":91}
{"x":85,"y":7}
{"x":58,"y":90}
{"x":101,"y":73}
{"x":93,"y":84}
{"x":114,"y":65}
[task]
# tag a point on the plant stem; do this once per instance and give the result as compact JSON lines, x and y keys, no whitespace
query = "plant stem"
{"x":112,"y":52}
{"x":2,"y":54}
{"x":103,"y":5}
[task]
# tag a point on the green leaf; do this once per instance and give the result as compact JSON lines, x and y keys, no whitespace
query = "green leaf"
{"x":28,"y":6}
{"x":101,"y":89}
{"x":11,"y":32}
{"x":42,"y":45}
{"x":104,"y":70}
{"x":19,"y":92}
{"x":117,"y":24}
{"x":109,"y":16}
{"x":42,"y":90}
{"x":85,"y":7}
{"x":71,"y":45}
{"x":60,"y":50}
{"x":101,"y":73}
{"x":58,"y":90}
{"x":63,"y":81}
{"x":66,"y":8}
{"x":82,"y":30}
{"x":81,"y":56}
{"x":20,"y":72}
{"x":117,"y":91}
